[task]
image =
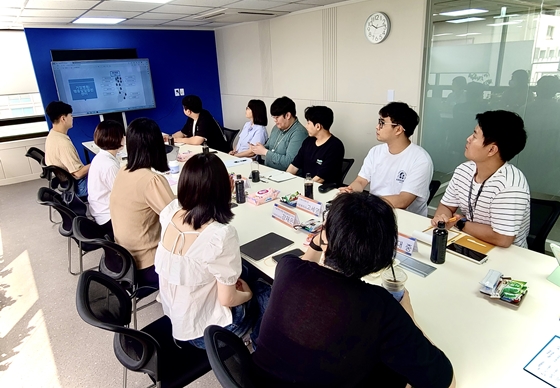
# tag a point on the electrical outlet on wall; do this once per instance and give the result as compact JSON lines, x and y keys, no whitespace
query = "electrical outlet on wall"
{"x":182,"y":92}
{"x":177,"y":92}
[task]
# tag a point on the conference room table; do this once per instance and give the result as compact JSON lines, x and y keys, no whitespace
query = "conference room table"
{"x":488,"y":341}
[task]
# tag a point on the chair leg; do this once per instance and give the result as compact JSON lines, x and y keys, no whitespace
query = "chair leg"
{"x":135,"y":323}
{"x":124,"y":376}
{"x":81,"y":257}
{"x":70,"y":257}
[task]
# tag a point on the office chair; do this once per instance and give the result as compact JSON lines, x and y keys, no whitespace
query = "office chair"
{"x":544,"y":214}
{"x":230,"y":135}
{"x":229,"y":358}
{"x":104,"y":303}
{"x":63,"y":182}
{"x":49,"y":197}
{"x":39,"y":156}
{"x":116,"y":262}
{"x":434,"y":186}
{"x":346,"y":166}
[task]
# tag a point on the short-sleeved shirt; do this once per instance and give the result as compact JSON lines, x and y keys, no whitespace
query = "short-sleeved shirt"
{"x":251,"y":133}
{"x":206,"y":126}
{"x":410,"y":171}
{"x":188,"y":283}
{"x":504,"y":202}
{"x":322,"y":329}
{"x":102,"y":173}
{"x":59,"y":151}
{"x":324,"y":161}
{"x":136,"y":200}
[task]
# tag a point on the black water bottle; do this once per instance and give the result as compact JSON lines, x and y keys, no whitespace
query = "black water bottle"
{"x":308,"y":186}
{"x":205,"y":149}
{"x":239,"y":190}
{"x":439,"y":244}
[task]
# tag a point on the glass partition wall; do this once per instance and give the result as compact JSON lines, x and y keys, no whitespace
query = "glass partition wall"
{"x":488,"y":55}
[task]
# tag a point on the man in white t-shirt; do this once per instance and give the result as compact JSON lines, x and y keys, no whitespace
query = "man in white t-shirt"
{"x":492,"y":195}
{"x":398,"y":170}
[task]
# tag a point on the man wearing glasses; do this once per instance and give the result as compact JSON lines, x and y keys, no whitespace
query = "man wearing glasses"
{"x":398,"y":170}
{"x":286,"y":137}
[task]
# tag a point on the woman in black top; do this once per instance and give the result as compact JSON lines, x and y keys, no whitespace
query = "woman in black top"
{"x":324,"y":327}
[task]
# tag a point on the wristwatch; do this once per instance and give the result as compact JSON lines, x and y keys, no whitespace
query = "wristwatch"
{"x":461,"y":223}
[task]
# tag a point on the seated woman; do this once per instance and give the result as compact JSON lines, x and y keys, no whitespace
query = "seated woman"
{"x":109,"y":136}
{"x":254,"y":130}
{"x":139,"y":194}
{"x":325,"y":327}
{"x":198,"y":259}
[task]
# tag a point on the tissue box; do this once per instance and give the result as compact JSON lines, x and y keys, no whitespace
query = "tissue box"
{"x":263,"y":196}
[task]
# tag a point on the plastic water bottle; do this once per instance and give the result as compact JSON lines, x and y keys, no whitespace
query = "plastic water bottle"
{"x":439,"y":244}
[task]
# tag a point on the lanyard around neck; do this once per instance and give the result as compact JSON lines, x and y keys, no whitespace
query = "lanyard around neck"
{"x":471,"y":206}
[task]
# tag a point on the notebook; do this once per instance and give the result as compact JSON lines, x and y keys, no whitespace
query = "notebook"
{"x":264,"y":246}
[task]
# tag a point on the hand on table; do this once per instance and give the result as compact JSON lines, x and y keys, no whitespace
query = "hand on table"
{"x":449,"y":222}
{"x":258,"y":149}
{"x":242,"y":285}
{"x":346,"y":189}
{"x":165,"y":138}
{"x":233,"y":152}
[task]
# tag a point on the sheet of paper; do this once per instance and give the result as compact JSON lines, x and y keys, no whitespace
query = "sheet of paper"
{"x":237,"y":162}
{"x":280,"y":177}
{"x":546,"y":364}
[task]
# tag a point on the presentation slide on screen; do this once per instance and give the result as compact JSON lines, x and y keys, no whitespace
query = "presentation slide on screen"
{"x":96,"y":87}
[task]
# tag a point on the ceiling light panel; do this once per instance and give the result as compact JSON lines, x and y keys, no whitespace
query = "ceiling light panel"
{"x":464,"y":12}
{"x":465,"y":20}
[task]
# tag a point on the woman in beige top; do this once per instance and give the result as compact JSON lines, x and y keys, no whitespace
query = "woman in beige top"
{"x":139,"y":194}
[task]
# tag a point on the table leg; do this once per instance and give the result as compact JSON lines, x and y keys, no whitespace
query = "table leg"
{"x":86,"y":154}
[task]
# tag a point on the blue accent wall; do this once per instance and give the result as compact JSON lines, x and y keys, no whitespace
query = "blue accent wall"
{"x":178,"y":59}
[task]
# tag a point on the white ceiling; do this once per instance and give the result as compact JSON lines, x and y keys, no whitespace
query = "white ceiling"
{"x":205,"y":14}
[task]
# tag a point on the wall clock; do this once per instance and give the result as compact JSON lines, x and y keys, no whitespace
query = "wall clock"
{"x":377,"y":27}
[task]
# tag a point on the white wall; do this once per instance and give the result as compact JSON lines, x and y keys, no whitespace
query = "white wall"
{"x":322,"y":57}
{"x":16,"y":67}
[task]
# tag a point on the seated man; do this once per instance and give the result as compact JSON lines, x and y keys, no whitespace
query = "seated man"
{"x":325,"y":327}
{"x":286,"y":137}
{"x":200,"y":126}
{"x":59,"y":150}
{"x":492,"y":194}
{"x":399,"y":171}
{"x":321,"y":153}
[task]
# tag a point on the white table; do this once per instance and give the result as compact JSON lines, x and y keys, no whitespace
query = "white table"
{"x":488,"y":341}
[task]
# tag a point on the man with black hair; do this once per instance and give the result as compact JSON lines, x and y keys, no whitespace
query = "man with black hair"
{"x":286,"y":137}
{"x":492,"y":195}
{"x":200,"y":126}
{"x":321,"y":153}
{"x":398,"y":170}
{"x":59,"y":150}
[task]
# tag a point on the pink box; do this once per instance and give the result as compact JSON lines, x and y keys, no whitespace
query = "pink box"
{"x":263,"y":196}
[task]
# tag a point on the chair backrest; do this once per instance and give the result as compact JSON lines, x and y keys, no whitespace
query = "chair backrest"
{"x":49,"y":197}
{"x":39,"y":156}
{"x":230,"y":135}
{"x":229,"y":357}
{"x":434,"y":186}
{"x":346,"y":166}
{"x":544,"y":214}
{"x":102,"y":302}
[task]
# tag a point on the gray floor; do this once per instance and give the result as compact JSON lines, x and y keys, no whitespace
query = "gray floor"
{"x":43,"y":341}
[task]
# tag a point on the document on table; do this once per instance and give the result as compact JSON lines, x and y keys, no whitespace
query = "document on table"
{"x":546,"y":364}
{"x":237,"y":162}
{"x":281,"y":176}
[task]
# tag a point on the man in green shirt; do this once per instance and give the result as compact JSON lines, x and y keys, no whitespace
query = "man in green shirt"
{"x":286,"y":137}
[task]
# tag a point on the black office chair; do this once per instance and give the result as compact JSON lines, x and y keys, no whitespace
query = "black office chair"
{"x":434,"y":186}
{"x":230,"y":135}
{"x":39,"y":156}
{"x":544,"y":214}
{"x":104,"y":303}
{"x":116,"y":262}
{"x":346,"y":166}
{"x":63,"y":182}
{"x":49,"y":197}
{"x":229,"y":358}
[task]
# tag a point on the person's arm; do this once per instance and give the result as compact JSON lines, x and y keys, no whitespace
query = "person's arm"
{"x":245,"y":154}
{"x":486,"y":233}
{"x":193,"y":140}
{"x":234,"y":294}
{"x":401,"y":200}
{"x":281,"y":162}
{"x":179,"y":135}
{"x":292,"y":169}
{"x":158,"y":193}
{"x":416,"y":184}
{"x":358,"y":185}
{"x":82,"y":172}
{"x":444,"y":213}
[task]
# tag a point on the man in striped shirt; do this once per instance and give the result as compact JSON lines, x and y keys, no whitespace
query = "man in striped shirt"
{"x":492,"y":195}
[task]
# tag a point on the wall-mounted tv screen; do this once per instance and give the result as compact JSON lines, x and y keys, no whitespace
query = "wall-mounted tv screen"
{"x":104,"y":86}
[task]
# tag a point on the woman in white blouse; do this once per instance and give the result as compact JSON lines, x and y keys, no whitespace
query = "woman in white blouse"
{"x":198,"y":259}
{"x":109,"y":137}
{"x":254,"y":130}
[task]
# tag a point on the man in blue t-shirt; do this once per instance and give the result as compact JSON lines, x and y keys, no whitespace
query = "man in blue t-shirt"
{"x":321,"y":153}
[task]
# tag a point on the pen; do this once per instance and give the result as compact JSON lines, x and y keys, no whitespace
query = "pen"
{"x":476,"y":242}
{"x":452,"y":219}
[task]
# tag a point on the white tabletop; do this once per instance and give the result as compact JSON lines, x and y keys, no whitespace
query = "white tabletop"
{"x":488,"y":341}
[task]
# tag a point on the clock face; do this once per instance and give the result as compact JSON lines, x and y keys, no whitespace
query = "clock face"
{"x":377,"y":27}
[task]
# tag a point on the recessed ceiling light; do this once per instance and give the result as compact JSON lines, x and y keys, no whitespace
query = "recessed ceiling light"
{"x":505,"y":23}
{"x":469,"y":33}
{"x":444,"y":34}
{"x":507,"y":16}
{"x":465,"y":20}
{"x":464,"y":12}
{"x":98,"y":20}
{"x":148,"y":1}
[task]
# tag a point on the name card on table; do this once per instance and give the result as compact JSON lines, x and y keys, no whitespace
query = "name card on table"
{"x":285,"y":215}
{"x":407,"y":244}
{"x":309,"y":205}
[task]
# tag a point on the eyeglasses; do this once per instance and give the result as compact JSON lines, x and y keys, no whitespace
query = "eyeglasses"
{"x":382,"y":123}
